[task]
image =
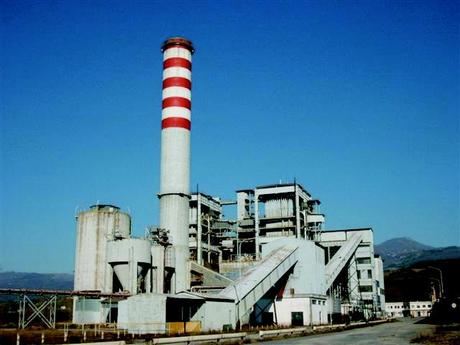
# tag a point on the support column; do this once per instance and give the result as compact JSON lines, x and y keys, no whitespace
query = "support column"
{"x":297,"y":211}
{"x":256,"y":222}
{"x":199,"y":231}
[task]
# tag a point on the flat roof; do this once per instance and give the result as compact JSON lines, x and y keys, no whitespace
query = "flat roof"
{"x":245,"y":190}
{"x":283,"y":185}
{"x":186,"y":295}
{"x":99,"y":206}
{"x":204,"y":194}
{"x":354,"y":229}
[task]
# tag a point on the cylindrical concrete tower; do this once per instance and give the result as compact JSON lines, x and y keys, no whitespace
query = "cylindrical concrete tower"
{"x":175,"y":154}
{"x":94,"y":227}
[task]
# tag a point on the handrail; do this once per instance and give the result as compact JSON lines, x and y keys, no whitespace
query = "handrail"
{"x":4,"y":291}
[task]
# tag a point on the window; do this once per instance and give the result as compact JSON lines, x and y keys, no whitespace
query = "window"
{"x":358,"y":273}
{"x":365,"y":288}
{"x":363,"y":260}
{"x":313,"y":301}
{"x":369,"y":274}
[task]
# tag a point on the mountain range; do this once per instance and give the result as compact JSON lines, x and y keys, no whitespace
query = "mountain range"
{"x":403,"y":252}
{"x":21,"y":280}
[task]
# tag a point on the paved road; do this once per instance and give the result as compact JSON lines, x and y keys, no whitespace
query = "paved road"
{"x":395,"y":333}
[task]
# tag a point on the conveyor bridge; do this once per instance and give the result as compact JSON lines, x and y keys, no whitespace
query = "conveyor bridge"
{"x":340,"y":259}
{"x":210,"y":277}
{"x":255,"y":283}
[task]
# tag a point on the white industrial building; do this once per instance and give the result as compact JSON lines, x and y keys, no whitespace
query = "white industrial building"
{"x":274,"y":264}
{"x":412,"y":309}
{"x":299,"y":276}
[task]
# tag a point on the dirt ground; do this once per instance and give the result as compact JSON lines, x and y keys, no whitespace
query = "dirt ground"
{"x":443,"y":335}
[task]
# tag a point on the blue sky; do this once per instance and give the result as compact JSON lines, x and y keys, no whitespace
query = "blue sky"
{"x":359,"y":101}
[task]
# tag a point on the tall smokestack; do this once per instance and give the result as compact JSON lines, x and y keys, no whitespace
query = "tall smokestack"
{"x":175,"y":154}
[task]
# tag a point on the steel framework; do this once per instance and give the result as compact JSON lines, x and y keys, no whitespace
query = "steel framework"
{"x":45,"y":311}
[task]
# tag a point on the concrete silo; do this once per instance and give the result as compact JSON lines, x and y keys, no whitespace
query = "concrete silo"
{"x":131,"y":262}
{"x":94,"y":228}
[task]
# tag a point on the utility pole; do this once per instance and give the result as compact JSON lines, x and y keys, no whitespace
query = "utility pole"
{"x":442,"y":283}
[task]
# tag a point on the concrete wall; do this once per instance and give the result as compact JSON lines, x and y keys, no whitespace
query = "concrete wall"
{"x":145,"y":313}
{"x":88,"y":311}
{"x":333,"y":236}
{"x":327,"y":236}
{"x":214,"y":315}
{"x":380,"y":284}
{"x":94,"y":227}
{"x":314,"y":310}
{"x":309,"y":272}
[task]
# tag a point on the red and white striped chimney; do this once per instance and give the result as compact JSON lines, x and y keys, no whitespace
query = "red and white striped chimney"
{"x":175,"y":154}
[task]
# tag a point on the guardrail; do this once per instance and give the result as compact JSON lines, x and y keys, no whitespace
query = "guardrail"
{"x":348,"y":326}
{"x":197,"y":338}
{"x":113,"y":336}
{"x":285,"y":331}
{"x":121,"y":342}
{"x":335,"y":326}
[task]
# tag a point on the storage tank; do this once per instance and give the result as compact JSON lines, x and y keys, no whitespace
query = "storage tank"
{"x":132,"y":263}
{"x":94,"y":228}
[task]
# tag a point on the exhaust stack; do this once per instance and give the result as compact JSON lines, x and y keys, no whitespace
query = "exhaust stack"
{"x":175,"y":155}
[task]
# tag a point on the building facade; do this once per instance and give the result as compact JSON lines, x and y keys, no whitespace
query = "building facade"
{"x":270,"y":213}
{"x":406,"y":309}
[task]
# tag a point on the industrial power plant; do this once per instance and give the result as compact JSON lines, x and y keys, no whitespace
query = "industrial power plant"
{"x":275,"y":264}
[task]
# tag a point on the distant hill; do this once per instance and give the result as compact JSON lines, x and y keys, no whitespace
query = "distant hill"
{"x":404,"y":252}
{"x":52,"y":281}
{"x":400,"y":245}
